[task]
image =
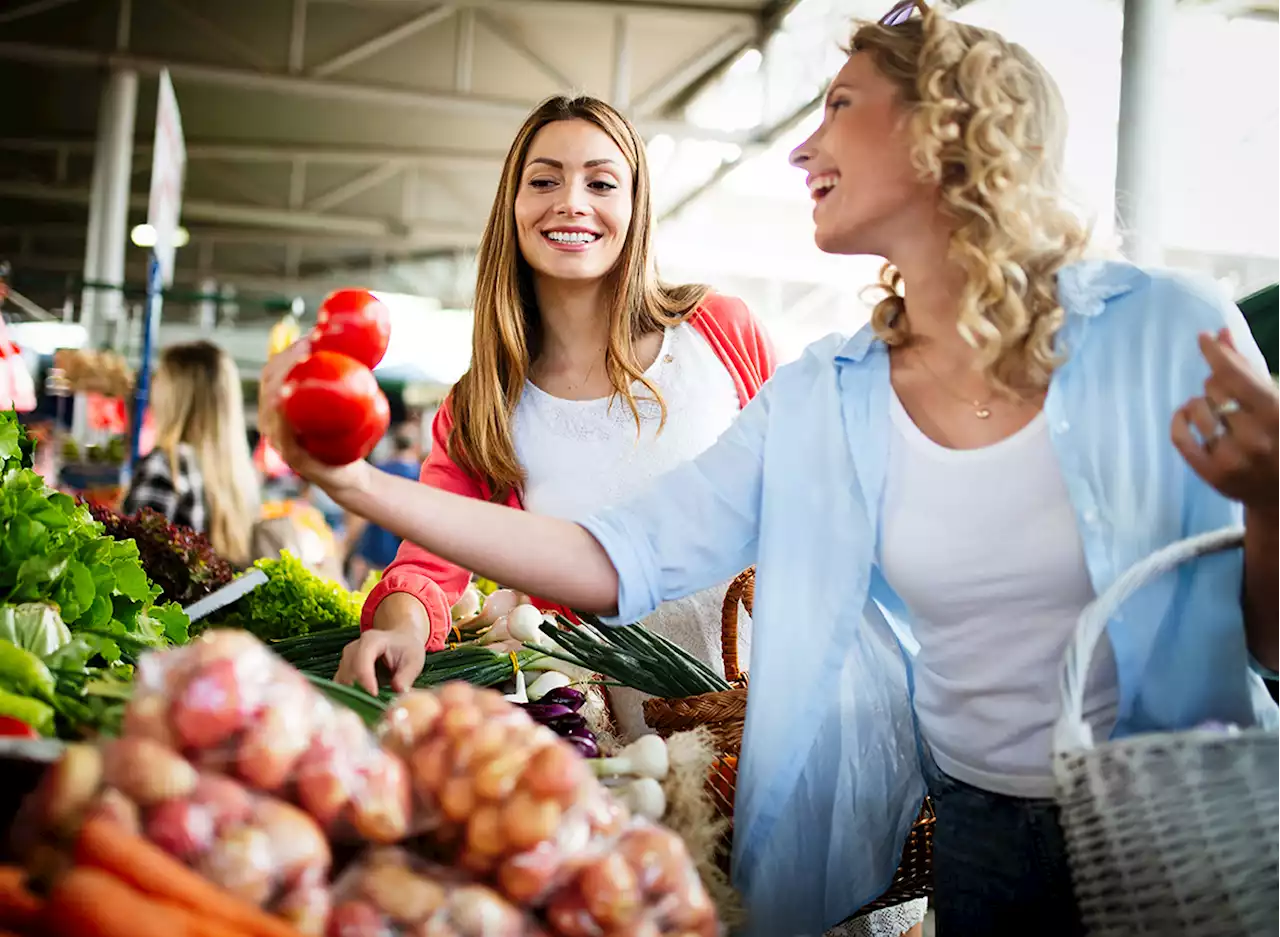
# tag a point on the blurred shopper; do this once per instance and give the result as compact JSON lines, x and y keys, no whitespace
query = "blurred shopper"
{"x":200,"y":473}
{"x":371,"y":548}
{"x":589,"y":377}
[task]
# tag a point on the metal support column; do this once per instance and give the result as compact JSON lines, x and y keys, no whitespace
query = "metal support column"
{"x":108,"y":227}
{"x":122,"y":99}
{"x":1142,"y":114}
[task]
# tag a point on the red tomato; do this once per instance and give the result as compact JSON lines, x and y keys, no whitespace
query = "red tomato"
{"x":11,"y":728}
{"x":328,"y":394}
{"x":354,"y":323}
{"x":354,"y":445}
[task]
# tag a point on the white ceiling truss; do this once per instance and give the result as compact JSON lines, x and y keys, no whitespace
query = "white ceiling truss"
{"x":336,"y":134}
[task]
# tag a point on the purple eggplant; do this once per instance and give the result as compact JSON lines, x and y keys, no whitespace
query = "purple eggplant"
{"x":561,"y":725}
{"x":584,"y":742}
{"x":543,"y":712}
{"x":564,"y":696}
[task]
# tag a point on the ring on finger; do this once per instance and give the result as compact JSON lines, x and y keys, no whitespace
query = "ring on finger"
{"x":1228,"y":407}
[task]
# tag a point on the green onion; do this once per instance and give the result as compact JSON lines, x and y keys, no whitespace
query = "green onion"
{"x":369,"y":708}
{"x":635,"y":657}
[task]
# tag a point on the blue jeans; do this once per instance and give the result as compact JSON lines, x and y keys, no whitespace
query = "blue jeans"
{"x":999,"y":863}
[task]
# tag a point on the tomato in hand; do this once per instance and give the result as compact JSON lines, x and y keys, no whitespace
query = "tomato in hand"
{"x":11,"y":728}
{"x":354,"y":323}
{"x":335,"y":407}
{"x":328,"y":394}
{"x":354,"y":445}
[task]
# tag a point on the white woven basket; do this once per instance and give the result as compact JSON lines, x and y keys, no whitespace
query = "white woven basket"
{"x":1171,"y":833}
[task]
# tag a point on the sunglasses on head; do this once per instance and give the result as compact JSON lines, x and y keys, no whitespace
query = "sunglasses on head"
{"x":901,"y":12}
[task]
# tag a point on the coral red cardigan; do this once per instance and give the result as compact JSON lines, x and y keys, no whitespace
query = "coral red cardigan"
{"x":739,"y":343}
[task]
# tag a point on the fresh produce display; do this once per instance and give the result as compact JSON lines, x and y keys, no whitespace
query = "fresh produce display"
{"x":557,"y":709}
{"x":236,"y":776}
{"x":331,"y":399}
{"x":355,"y":323}
{"x":228,"y":704}
{"x":261,"y":850}
{"x":53,"y":551}
{"x":518,"y":807}
{"x":643,"y":883}
{"x":391,"y":893}
{"x":320,"y":654}
{"x":633,"y":656}
{"x":179,"y":560}
{"x":100,"y":880}
{"x":293,"y":602}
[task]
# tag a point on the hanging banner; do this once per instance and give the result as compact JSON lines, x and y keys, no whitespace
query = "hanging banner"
{"x":168,"y":170}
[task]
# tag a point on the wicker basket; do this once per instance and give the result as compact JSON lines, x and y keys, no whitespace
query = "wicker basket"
{"x":1170,"y":833}
{"x":724,"y":713}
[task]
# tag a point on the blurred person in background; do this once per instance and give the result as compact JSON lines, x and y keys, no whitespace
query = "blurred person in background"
{"x":200,"y":473}
{"x":911,"y":620}
{"x":370,"y":548}
{"x":589,"y":377}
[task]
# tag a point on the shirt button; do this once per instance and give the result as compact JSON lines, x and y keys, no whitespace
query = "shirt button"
{"x":1063,"y":426}
{"x":1091,"y":516}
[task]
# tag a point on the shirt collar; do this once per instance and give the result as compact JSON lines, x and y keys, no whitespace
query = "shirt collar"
{"x":1084,"y":289}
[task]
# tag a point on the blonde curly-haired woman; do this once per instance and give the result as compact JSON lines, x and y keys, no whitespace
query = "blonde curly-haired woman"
{"x":931,"y":503}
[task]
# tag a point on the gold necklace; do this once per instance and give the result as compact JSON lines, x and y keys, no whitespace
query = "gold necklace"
{"x":981,"y":408}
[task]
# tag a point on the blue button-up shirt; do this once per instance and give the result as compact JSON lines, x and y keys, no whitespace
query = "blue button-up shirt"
{"x":829,"y":781}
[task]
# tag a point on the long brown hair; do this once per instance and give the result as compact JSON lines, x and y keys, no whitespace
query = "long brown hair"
{"x":989,"y":127}
{"x":508,"y":328}
{"x":197,"y":401}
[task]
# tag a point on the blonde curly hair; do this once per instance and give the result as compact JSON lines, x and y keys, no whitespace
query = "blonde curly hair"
{"x":988,"y":127}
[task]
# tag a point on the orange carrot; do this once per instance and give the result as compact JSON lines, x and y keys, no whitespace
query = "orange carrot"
{"x":103,"y":845}
{"x":18,"y":907}
{"x":92,"y":903}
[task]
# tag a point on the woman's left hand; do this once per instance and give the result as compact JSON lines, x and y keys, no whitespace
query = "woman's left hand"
{"x":1229,"y":435}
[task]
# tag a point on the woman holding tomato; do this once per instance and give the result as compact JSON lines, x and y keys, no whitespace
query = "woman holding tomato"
{"x":589,"y":376}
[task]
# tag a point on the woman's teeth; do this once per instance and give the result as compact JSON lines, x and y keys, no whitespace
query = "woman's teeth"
{"x":821,"y":185}
{"x":572,"y":237}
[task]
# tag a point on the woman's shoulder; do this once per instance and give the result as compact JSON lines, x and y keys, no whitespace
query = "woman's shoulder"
{"x":1131,"y":295}
{"x":726,"y":313}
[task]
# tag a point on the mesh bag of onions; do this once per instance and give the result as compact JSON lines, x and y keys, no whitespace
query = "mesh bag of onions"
{"x":391,"y":893}
{"x":226,"y":702}
{"x":257,"y":847}
{"x":516,"y":806}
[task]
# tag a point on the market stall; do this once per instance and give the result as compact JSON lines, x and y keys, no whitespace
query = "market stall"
{"x":184,"y":766}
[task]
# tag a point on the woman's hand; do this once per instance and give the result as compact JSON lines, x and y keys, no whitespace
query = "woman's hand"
{"x":339,"y":482}
{"x":401,"y":650}
{"x":1234,"y":443}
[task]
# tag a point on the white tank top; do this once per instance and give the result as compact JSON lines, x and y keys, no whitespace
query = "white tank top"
{"x":982,"y":546}
{"x":581,"y":456}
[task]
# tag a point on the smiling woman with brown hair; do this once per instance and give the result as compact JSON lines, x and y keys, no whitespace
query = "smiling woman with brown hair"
{"x":589,"y":375}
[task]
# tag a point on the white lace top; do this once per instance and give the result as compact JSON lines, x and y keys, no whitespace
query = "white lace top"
{"x":580,"y":456}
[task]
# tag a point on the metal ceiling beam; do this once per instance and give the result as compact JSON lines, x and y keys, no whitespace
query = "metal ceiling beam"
{"x":213,"y":30}
{"x":233,"y":151}
{"x":672,"y":9}
{"x":384,"y":40}
{"x":295,"y":85}
{"x":417,"y":236}
{"x":762,"y":140}
{"x":34,"y":8}
{"x":305,"y":86}
{"x":298,"y":37}
{"x":200,"y":210}
{"x":702,"y":61}
{"x":517,"y":45}
{"x":350,"y":189}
